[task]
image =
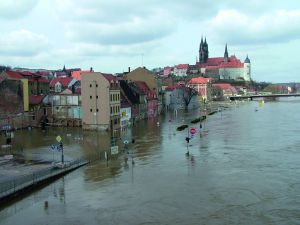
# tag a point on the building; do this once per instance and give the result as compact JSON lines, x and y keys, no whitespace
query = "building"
{"x":151,"y":99}
{"x":66,"y":108}
{"x":223,"y":91}
{"x":59,"y":84}
{"x":132,"y":95}
{"x":203,"y":86}
{"x":152,"y":80}
{"x":180,"y":70}
{"x":174,"y":98}
{"x":100,"y":101}
{"x":125,"y":111}
{"x":37,"y":84}
{"x":224,"y":68}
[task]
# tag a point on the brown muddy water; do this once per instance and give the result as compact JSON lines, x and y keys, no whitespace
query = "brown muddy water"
{"x":243,"y":168}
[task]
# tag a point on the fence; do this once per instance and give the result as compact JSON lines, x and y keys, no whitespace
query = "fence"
{"x":11,"y":187}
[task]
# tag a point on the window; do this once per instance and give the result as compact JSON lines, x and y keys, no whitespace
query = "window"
{"x":97,"y":110}
{"x":90,"y":85}
{"x":91,"y":110}
{"x":90,"y":97}
{"x":96,"y":85}
{"x":97,"y":97}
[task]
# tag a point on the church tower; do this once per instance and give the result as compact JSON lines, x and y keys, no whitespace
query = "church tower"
{"x":203,"y":51}
{"x":247,"y":69}
{"x":226,"y":58}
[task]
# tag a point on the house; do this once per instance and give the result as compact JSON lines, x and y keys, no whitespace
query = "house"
{"x":37,"y":84}
{"x":125,"y":111}
{"x":174,"y":98}
{"x":203,"y":86}
{"x":59,"y":84}
{"x":151,"y":99}
{"x":100,"y":101}
{"x":152,"y":80}
{"x":181,"y":70}
{"x":33,"y":88}
{"x":66,"y":108}
{"x":223,"y":91}
{"x":130,"y":95}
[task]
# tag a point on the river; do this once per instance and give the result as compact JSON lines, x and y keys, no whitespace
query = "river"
{"x":243,"y":168}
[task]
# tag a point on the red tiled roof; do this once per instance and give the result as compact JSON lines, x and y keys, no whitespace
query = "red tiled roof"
{"x":182,"y":66}
{"x":218,"y":62}
{"x":27,"y":75}
{"x":199,"y":80}
{"x":77,"y":74}
{"x":63,"y":80}
{"x":14,"y":74}
{"x":145,"y":89}
{"x":226,"y":87}
{"x":177,"y":86}
{"x":223,"y":86}
{"x":109,"y":77}
{"x":36,"y":99}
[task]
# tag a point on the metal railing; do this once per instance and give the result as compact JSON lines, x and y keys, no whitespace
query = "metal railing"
{"x":21,"y":182}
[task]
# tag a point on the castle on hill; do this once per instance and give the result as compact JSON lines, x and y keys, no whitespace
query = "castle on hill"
{"x":226,"y":67}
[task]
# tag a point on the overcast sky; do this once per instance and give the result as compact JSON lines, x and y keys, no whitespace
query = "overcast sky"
{"x":112,"y":35}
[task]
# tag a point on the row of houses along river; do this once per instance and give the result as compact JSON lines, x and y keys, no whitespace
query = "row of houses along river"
{"x":243,"y":168}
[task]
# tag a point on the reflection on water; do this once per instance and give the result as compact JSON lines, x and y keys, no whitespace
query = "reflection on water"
{"x":243,"y":168}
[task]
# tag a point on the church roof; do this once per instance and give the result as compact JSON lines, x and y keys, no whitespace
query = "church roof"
{"x":218,"y":62}
{"x":247,"y":60}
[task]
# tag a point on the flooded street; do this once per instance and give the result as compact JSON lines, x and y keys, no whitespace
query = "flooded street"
{"x":243,"y":168}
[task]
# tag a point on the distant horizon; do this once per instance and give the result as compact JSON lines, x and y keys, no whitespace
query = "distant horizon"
{"x":112,"y":36}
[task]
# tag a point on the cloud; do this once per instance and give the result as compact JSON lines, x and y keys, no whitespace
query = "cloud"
{"x":12,"y":9}
{"x":22,"y":43}
{"x":241,"y":29}
{"x":136,"y":30}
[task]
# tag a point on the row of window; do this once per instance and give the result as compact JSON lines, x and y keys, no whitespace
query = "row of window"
{"x":114,"y":109}
{"x":91,"y":110}
{"x":92,"y":85}
{"x":92,"y":96}
{"x":114,"y":97}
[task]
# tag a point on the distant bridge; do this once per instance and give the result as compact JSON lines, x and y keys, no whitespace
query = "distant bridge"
{"x":271,"y":96}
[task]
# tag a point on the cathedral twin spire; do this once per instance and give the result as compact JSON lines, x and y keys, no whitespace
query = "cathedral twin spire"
{"x":203,"y":51}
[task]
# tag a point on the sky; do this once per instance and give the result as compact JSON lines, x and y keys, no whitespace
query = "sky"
{"x":112,"y":35}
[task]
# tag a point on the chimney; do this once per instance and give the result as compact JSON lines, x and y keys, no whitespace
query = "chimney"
{"x":129,"y":69}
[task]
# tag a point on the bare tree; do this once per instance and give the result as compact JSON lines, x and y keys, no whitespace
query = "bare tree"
{"x":187,"y":94}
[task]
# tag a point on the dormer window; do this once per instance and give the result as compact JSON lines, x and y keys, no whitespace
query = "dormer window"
{"x":58,"y":87}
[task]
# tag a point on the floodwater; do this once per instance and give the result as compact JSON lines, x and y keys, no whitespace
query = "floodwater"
{"x":243,"y":168}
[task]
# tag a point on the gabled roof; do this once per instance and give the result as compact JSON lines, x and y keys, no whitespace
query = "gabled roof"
{"x":219,"y":62}
{"x":200,"y":80}
{"x":226,"y":87}
{"x":26,"y":75}
{"x":63,"y":80}
{"x":146,"y":90}
{"x":182,"y":66}
{"x":110,"y":77}
{"x":77,"y":74}
{"x":14,"y":74}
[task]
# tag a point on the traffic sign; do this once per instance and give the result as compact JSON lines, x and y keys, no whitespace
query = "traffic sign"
{"x":193,"y":130}
{"x":58,"y":138}
{"x":53,"y":147}
{"x":114,"y":150}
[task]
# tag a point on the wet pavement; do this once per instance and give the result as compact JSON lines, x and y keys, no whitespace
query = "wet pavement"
{"x":243,"y":168}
